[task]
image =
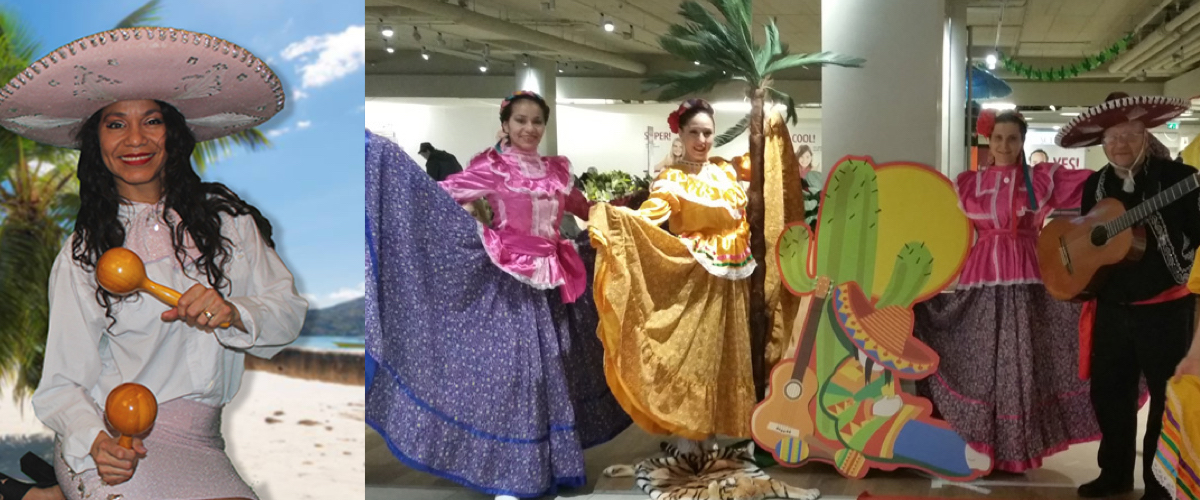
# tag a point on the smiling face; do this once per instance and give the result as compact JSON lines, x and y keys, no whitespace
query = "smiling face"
{"x":133,"y":140}
{"x":697,"y":136}
{"x":1125,"y":143}
{"x":1006,"y":143}
{"x":1038,"y":157}
{"x":805,"y":160}
{"x":526,"y":125}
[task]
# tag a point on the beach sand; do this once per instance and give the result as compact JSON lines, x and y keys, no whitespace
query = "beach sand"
{"x":289,"y":438}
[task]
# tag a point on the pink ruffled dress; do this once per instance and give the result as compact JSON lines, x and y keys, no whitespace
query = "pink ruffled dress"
{"x":1007,"y":381}
{"x":528,"y":194}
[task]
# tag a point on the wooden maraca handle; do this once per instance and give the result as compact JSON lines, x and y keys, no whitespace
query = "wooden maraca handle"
{"x":125,"y":442}
{"x":168,"y":295}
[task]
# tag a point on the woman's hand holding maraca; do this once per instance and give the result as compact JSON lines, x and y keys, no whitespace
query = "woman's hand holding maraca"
{"x":114,"y":463}
{"x":204,"y":308}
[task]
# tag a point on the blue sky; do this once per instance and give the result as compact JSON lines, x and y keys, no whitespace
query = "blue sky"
{"x":310,"y":183}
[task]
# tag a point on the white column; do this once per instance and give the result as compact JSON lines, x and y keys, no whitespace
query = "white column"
{"x":955,"y":142}
{"x":539,"y":76}
{"x":890,"y":109}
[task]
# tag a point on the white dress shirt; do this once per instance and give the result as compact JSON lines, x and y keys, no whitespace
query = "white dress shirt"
{"x":85,"y":360}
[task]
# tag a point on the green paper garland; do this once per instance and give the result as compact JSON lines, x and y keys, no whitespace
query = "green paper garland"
{"x":1065,"y":72}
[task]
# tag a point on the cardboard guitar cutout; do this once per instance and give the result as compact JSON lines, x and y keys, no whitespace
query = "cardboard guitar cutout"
{"x":837,"y":399}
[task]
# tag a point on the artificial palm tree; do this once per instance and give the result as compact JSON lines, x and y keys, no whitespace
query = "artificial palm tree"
{"x":727,"y":52}
{"x":38,"y":202}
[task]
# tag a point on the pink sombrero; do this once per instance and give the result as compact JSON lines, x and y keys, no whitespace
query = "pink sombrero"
{"x":1087,"y":129}
{"x":219,"y":87}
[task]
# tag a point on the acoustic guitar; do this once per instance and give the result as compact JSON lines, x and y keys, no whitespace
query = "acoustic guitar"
{"x":783,"y":423}
{"x":1075,"y":254}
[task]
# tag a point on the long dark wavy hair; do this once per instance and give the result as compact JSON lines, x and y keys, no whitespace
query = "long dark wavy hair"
{"x":199,"y":205}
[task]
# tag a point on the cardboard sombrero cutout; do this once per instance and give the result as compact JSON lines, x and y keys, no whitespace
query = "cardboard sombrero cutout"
{"x":837,"y":398}
{"x":219,"y":87}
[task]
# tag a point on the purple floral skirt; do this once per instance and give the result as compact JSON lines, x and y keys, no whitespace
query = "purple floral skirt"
{"x":472,"y":375}
{"x":1008,"y":380}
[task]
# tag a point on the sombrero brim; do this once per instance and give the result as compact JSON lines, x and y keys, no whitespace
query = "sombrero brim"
{"x":1087,"y":129}
{"x":219,"y":87}
{"x":884,"y":335}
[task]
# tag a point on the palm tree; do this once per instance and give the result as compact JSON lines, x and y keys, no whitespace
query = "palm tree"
{"x":728,"y":52}
{"x":38,"y":202}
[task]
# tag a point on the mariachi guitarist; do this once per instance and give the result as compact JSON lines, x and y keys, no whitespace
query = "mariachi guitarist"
{"x":1140,"y":322}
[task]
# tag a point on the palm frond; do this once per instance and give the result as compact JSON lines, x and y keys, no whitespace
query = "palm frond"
{"x":733,"y":132}
{"x":144,"y":16}
{"x":27,"y":252}
{"x":17,"y":47}
{"x":210,"y":152}
{"x":772,"y":50}
{"x":736,"y":39}
{"x":787,"y":101}
{"x":738,"y":13}
{"x":822,"y":58}
{"x":718,"y":43}
{"x":676,"y":84}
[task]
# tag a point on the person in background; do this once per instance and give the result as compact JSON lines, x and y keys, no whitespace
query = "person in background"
{"x":1038,"y":156}
{"x":439,"y":164}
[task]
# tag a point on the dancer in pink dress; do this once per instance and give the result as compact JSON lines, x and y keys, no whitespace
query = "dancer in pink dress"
{"x":1008,"y":380}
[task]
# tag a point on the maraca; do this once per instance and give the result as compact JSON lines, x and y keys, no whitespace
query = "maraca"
{"x":121,"y":272}
{"x":130,"y":409}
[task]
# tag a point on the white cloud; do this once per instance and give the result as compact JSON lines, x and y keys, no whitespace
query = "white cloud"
{"x":278,"y":132}
{"x":327,"y":58}
{"x":298,"y":94}
{"x":303,"y":124}
{"x":332,"y":299}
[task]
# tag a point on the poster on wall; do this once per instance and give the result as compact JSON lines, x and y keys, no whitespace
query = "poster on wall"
{"x":663,"y":148}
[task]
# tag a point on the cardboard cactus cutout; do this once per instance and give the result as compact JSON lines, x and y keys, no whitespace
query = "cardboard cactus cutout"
{"x":890,"y":235}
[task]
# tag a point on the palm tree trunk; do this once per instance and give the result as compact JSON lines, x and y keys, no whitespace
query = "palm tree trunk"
{"x":756,"y":212}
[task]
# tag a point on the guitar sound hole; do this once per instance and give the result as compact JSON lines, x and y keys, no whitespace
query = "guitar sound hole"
{"x":793,"y":390}
{"x":1099,"y":236}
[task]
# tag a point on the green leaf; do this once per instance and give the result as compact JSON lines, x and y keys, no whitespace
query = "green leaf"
{"x":677,"y":84}
{"x":210,"y":152}
{"x":787,"y":101}
{"x":733,"y":132}
{"x":822,"y":58}
{"x":144,"y":16}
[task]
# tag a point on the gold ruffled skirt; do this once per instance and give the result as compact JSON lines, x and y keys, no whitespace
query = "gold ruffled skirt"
{"x":676,"y":339}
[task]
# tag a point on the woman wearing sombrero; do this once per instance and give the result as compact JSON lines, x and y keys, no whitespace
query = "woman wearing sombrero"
{"x":135,"y":102}
{"x":1140,"y":323}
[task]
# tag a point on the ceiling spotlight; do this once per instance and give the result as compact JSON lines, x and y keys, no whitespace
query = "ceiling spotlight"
{"x":991,"y":61}
{"x":424,"y":54}
{"x":525,"y":60}
{"x":607,"y":23}
{"x":387,"y":46}
{"x":440,"y":40}
{"x":487,"y":50}
{"x":483,"y":67}
{"x":629,"y":34}
{"x":558,"y":65}
{"x":697,"y":63}
{"x":386,"y":31}
{"x":416,"y":34}
{"x":1053,"y":108}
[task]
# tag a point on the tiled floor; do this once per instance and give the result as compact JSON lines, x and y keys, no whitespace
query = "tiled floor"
{"x":387,"y":479}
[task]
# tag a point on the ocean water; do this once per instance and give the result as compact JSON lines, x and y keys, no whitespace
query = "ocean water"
{"x":323,"y":342}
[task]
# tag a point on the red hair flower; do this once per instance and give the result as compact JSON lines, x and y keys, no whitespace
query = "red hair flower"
{"x":985,"y":123}
{"x":673,"y":121}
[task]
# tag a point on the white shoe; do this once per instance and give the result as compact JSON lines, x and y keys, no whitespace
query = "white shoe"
{"x":505,"y":497}
{"x":977,"y":460}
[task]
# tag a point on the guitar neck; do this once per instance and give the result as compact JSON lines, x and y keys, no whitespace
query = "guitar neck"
{"x":808,"y":336}
{"x":1148,"y":207}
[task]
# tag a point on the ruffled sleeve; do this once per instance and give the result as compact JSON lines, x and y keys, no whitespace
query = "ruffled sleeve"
{"x":577,"y":204}
{"x":477,"y":181}
{"x":1066,"y":186}
{"x":741,"y":167}
{"x":663,"y":200}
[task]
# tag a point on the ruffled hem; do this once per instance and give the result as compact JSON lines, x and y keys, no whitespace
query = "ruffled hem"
{"x":736,"y":268}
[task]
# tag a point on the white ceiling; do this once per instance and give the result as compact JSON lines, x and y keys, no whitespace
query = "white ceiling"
{"x":1043,"y":33}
